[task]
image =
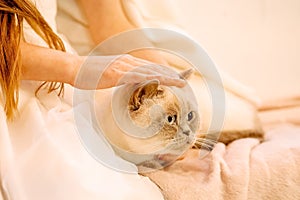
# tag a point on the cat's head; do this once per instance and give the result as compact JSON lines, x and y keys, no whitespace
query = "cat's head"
{"x":180,"y":118}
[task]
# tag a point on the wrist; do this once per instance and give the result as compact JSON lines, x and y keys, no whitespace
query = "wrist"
{"x":74,"y":64}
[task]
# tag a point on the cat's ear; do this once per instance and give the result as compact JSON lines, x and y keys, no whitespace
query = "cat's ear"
{"x":186,"y":74}
{"x":144,"y":91}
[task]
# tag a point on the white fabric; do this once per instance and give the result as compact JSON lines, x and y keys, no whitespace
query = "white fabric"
{"x":41,"y":156}
{"x":72,"y":23}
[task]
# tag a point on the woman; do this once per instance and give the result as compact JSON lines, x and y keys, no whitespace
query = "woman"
{"x":37,"y":137}
{"x":55,"y":65}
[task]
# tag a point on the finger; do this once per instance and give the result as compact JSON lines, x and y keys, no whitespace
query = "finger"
{"x":146,"y":70}
{"x":137,"y":62}
{"x":140,"y":63}
{"x":155,"y":70}
{"x":168,"y":81}
{"x":163,"y":70}
{"x":133,"y":61}
{"x":135,"y":77}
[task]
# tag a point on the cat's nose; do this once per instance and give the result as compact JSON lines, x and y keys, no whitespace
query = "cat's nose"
{"x":187,"y":133}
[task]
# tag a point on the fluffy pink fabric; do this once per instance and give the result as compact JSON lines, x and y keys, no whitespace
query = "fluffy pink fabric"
{"x":245,"y":169}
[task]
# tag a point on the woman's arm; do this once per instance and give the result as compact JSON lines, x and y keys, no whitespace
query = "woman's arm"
{"x":44,"y":64}
{"x":107,"y":18}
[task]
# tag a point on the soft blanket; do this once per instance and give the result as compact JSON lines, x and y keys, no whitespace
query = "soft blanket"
{"x":245,"y":169}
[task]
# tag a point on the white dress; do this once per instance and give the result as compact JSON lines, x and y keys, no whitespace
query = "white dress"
{"x":41,"y":156}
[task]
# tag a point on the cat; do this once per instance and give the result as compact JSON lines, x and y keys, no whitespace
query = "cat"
{"x":149,"y":122}
{"x":128,"y":117}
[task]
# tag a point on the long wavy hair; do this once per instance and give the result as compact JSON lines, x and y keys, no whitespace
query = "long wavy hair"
{"x":12,"y":15}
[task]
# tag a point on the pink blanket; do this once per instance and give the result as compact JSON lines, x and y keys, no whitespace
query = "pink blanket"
{"x":245,"y":169}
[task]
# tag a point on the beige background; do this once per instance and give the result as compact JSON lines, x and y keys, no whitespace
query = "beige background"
{"x":256,"y":41}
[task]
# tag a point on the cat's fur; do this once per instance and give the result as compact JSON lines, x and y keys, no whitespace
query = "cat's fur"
{"x":176,"y":118}
{"x":174,"y":101}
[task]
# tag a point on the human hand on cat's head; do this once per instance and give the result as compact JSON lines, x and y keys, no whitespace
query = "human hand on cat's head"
{"x":124,"y":69}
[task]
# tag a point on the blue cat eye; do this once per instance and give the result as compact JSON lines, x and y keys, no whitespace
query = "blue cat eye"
{"x":190,"y":116}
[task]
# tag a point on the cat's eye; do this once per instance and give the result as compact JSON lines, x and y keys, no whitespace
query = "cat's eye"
{"x":171,"y":119}
{"x":190,"y":116}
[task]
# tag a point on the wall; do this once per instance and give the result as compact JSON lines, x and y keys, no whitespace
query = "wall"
{"x":256,"y":41}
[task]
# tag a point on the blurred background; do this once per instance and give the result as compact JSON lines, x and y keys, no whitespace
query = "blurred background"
{"x":256,"y":41}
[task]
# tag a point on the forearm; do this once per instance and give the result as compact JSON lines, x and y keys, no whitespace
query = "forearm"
{"x":107,"y":18}
{"x":44,"y":64}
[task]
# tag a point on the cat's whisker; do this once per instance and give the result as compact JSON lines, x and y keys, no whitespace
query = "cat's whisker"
{"x":177,"y":140}
{"x":204,"y":143}
{"x":206,"y":140}
{"x":209,"y":142}
{"x":203,"y":146}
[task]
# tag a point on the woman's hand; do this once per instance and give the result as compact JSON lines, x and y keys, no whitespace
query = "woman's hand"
{"x":45,"y":64}
{"x":98,"y":72}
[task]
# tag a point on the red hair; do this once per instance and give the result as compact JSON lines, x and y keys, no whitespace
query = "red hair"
{"x":12,"y":15}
